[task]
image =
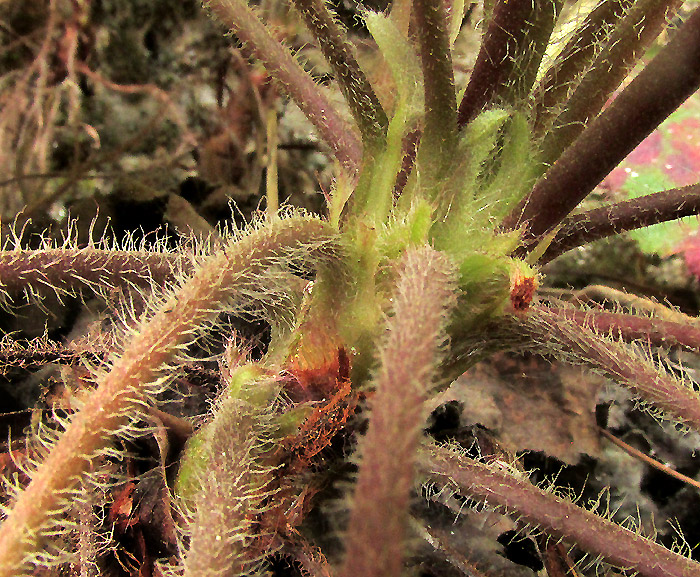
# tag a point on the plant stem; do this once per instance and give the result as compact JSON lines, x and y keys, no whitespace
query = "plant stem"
{"x":637,"y":454}
{"x":539,"y":27}
{"x":586,"y":227}
{"x":439,"y":139}
{"x":68,"y":271}
{"x":632,"y":328}
{"x":363,"y":102}
{"x":564,"y":337}
{"x":671,"y":77}
{"x":556,"y":516}
{"x":271,"y":170}
{"x":133,"y":379}
{"x":233,"y":490}
{"x":258,"y":43}
{"x":632,"y":35}
{"x":377,"y":528}
{"x":510,"y":55}
{"x":41,"y":351}
{"x":570,"y":64}
{"x":409,"y":148}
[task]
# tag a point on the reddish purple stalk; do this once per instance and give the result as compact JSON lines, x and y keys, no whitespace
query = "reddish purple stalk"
{"x":377,"y":528}
{"x":585,"y":227}
{"x":556,"y":516}
{"x":671,"y":77}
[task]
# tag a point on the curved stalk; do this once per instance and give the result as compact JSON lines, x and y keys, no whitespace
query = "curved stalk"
{"x":358,"y":92}
{"x":68,"y":271}
{"x":571,"y":339}
{"x":556,"y":516}
{"x":133,"y":379}
{"x":631,"y":37}
{"x":439,"y":139}
{"x":379,"y":516}
{"x":510,"y":54}
{"x":630,"y":328}
{"x":571,"y":63}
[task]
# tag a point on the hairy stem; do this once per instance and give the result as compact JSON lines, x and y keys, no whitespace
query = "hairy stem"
{"x":510,"y":55}
{"x":671,"y":77}
{"x":296,"y":82}
{"x":231,"y":491}
{"x":40,"y":351}
{"x":555,"y":515}
{"x":630,"y":328}
{"x":570,"y":64}
{"x":585,"y":227}
{"x":133,"y":379}
{"x":632,"y":35}
{"x":563,"y":336}
{"x":439,"y":139}
{"x":539,"y":31}
{"x":377,"y":529}
{"x":68,"y":271}
{"x":363,"y":102}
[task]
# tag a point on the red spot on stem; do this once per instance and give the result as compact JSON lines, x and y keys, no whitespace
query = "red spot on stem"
{"x":522,"y":291}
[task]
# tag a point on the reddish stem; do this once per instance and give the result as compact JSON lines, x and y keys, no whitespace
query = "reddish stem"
{"x":579,"y":229}
{"x":565,"y":337}
{"x":558,"y":517}
{"x":67,"y":271}
{"x":504,"y":38}
{"x":363,"y":102}
{"x":628,"y":41}
{"x":669,"y":79}
{"x":257,"y":42}
{"x":572,"y":61}
{"x":632,"y":328}
{"x":377,"y":527}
